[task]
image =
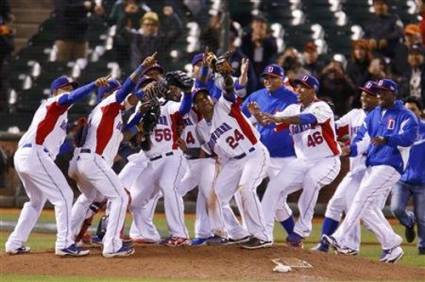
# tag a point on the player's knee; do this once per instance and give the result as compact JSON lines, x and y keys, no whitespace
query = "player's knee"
{"x":36,"y":205}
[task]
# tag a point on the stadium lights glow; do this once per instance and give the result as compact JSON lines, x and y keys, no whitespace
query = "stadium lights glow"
{"x":13,"y":97}
{"x":36,"y":68}
{"x":318,"y":31}
{"x":27,"y":83}
{"x":298,"y":17}
{"x":341,"y":59}
{"x":357,"y":32}
{"x":413,"y":7}
{"x":341,"y":18}
{"x":174,"y":54}
{"x":189,"y":69}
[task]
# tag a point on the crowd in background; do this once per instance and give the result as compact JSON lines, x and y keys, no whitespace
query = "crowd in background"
{"x":388,"y":48}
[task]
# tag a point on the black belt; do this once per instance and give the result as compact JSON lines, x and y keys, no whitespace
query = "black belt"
{"x":86,"y":151}
{"x":243,"y":155}
{"x":160,"y":156}
{"x":195,"y":153}
{"x":29,"y":145}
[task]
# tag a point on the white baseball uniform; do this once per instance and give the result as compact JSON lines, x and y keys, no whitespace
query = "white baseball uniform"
{"x":317,"y":164}
{"x":344,"y":194}
{"x":163,"y":172}
{"x":244,"y":163}
{"x":42,"y":179}
{"x":94,"y":166}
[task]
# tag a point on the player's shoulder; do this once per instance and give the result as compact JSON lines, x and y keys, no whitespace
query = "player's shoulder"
{"x":320,"y":104}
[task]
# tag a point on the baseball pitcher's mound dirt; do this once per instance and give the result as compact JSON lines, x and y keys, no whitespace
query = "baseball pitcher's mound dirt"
{"x":210,"y":263}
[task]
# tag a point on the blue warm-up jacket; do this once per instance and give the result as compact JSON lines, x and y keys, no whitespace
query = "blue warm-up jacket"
{"x":279,"y":144}
{"x":415,"y":171}
{"x":398,"y":126}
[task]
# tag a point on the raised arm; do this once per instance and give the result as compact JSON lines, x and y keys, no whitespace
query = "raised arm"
{"x":83,"y":91}
{"x":131,"y":81}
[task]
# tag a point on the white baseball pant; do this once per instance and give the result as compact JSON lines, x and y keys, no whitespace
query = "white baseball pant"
{"x":243,"y":175}
{"x":367,"y":206}
{"x":161,"y":175}
{"x":94,"y":169}
{"x":42,"y":181}
{"x":308,"y":175}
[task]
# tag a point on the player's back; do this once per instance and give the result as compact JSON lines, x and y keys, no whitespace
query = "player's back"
{"x":104,"y":129}
{"x":48,"y":127}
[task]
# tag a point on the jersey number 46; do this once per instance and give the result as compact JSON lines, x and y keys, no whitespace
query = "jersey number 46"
{"x":314,"y":139}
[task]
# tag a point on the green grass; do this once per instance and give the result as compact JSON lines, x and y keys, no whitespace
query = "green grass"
{"x":43,"y":241}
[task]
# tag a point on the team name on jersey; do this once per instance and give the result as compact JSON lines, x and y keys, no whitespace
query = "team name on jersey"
{"x":119,"y":126}
{"x":224,"y":127}
{"x":64,"y":124}
{"x":187,"y":122}
{"x":295,"y":129}
{"x":163,"y":120}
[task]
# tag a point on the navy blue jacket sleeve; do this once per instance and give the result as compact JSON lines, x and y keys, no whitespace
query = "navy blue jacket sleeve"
{"x":128,"y":86}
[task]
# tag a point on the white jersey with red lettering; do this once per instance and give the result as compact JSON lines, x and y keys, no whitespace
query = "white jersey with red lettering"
{"x":350,"y":124}
{"x":104,"y":127}
{"x":313,"y":141}
{"x":48,"y":127}
{"x":164,"y":135}
{"x":231,"y":132}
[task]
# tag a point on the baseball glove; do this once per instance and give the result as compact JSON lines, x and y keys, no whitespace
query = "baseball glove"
{"x":222,"y":65}
{"x":179,"y":79}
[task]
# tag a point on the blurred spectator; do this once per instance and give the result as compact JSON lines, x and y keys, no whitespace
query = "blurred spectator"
{"x":359,"y":62}
{"x":336,"y":85}
{"x":72,"y":24}
{"x":413,"y":83}
{"x":259,"y":46}
{"x":127,"y":13}
{"x":384,"y":30}
{"x":421,"y":6}
{"x":236,"y":58}
{"x":312,"y":62}
{"x":210,"y":37}
{"x":377,"y":69}
{"x":6,"y":47}
{"x":149,"y":38}
{"x":412,"y":35}
{"x":290,"y":61}
{"x":132,"y":10}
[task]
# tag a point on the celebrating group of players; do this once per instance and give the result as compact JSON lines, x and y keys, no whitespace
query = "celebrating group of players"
{"x":201,"y":133}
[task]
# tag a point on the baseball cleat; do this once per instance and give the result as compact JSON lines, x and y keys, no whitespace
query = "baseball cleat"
{"x":19,"y":251}
{"x":72,"y":251}
{"x":295,"y":240}
{"x":410,"y":234}
{"x":320,"y":248}
{"x":217,"y":241}
{"x":346,"y":251}
{"x":239,"y":241}
{"x":392,"y":255}
{"x":144,"y":241}
{"x":124,"y":251}
{"x":95,"y":240}
{"x":174,"y":241}
{"x":255,"y":243}
{"x":331,"y":241}
{"x":199,"y":241}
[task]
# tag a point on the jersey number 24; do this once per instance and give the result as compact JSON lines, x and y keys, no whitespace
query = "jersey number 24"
{"x":233,"y":140}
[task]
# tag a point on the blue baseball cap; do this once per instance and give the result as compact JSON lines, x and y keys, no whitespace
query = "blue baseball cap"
{"x":197,"y":58}
{"x":62,"y":81}
{"x":309,"y":81}
{"x":101,"y":91}
{"x":370,"y":87}
{"x":155,"y":66}
{"x":273,"y":69}
{"x":388,"y":84}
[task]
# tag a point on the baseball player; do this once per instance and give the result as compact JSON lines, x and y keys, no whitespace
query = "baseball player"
{"x":392,"y":130}
{"x":341,"y":200}
{"x":94,"y":164}
{"x":244,"y":161}
{"x":412,"y":184}
{"x":166,"y":165}
{"x":272,"y":98}
{"x":42,"y":179}
{"x":311,"y":124}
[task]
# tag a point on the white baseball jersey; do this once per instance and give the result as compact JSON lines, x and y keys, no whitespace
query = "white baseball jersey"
{"x":350,"y":124}
{"x":104,"y":129}
{"x":231,"y":132}
{"x":189,"y":134}
{"x":48,"y":127}
{"x":313,"y":141}
{"x":164,"y":135}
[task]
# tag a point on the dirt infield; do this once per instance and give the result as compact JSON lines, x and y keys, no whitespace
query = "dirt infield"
{"x":209,"y":263}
